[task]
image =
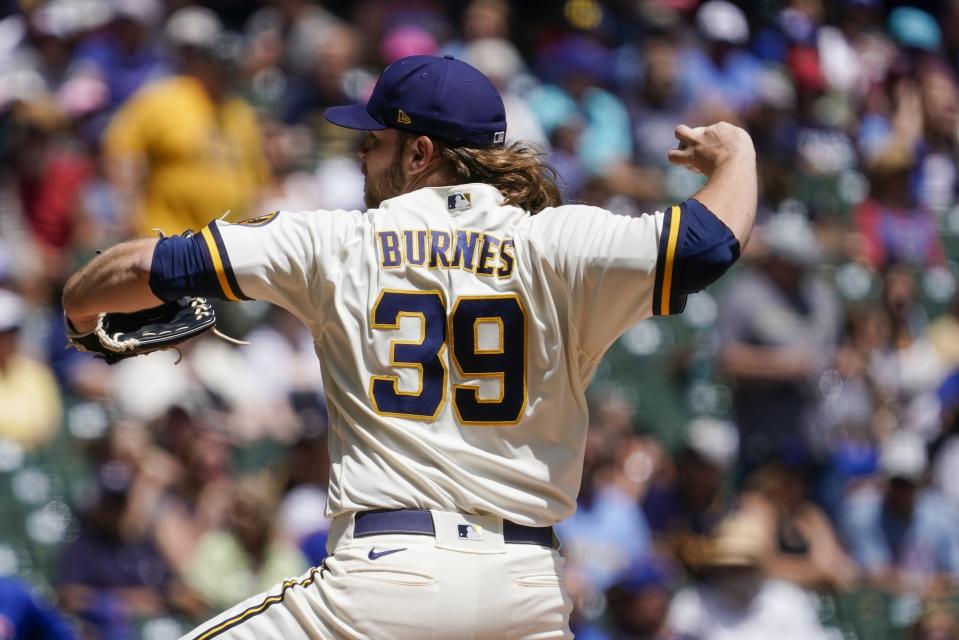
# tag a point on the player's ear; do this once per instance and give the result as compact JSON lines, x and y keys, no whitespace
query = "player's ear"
{"x":419,"y":153}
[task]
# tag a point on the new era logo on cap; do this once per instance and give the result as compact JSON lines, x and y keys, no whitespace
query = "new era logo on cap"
{"x":402,"y":118}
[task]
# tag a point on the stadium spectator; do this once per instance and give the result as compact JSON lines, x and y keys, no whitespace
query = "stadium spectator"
{"x":686,"y":504}
{"x":24,"y":615}
{"x":51,"y":172}
{"x":182,"y":486}
{"x":895,"y":227}
{"x":658,"y":99}
{"x":945,"y":447}
{"x":906,"y":364}
{"x":335,"y":54}
{"x":722,"y":73}
{"x":608,"y":532}
{"x":805,"y":549}
{"x":185,"y":150}
{"x":301,"y":512}
{"x":937,"y":178}
{"x":637,"y":603}
{"x":855,"y":410}
{"x":901,"y":533}
{"x":30,"y":405}
{"x":108,"y":67}
{"x":500,"y":61}
{"x":109,"y":578}
{"x":584,"y":121}
{"x":243,"y":557}
{"x":736,"y":599}
{"x":778,"y":326}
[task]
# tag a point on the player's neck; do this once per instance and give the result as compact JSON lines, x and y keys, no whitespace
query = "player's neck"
{"x":433,"y":176}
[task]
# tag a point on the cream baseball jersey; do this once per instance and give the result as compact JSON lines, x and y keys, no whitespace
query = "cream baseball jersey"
{"x":457,"y":336}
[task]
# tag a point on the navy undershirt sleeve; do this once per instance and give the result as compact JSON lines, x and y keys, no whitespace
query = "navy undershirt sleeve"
{"x":708,"y":249}
{"x":182,"y":266}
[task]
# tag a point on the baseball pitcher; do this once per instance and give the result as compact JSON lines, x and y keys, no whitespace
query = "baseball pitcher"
{"x":458,"y":320}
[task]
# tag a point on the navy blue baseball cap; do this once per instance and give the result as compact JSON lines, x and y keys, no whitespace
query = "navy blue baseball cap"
{"x":443,"y":98}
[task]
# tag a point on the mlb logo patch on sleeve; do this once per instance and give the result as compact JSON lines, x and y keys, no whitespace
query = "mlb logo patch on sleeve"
{"x":459,"y":201}
{"x":470,"y":531}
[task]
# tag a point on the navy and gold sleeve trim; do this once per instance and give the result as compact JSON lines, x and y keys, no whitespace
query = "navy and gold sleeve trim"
{"x":668,"y":298}
{"x":213,"y":243}
{"x":193,"y":265}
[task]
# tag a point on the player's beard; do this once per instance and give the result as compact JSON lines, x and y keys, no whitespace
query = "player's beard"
{"x":391,"y":184}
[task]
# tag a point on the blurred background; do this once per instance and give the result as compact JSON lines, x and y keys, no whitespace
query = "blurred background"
{"x":779,"y":461}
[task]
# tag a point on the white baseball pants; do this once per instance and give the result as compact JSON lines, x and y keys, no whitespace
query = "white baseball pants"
{"x":399,"y":587}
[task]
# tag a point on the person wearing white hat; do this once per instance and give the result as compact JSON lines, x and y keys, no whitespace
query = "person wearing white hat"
{"x":184,"y":149}
{"x":778,"y":325}
{"x":109,"y":67}
{"x":902,"y":534}
{"x":722,"y":74}
{"x":686,"y":510}
{"x":499,"y":59}
{"x":715,"y":441}
{"x":721,"y":21}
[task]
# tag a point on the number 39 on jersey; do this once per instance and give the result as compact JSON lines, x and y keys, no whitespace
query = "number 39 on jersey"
{"x":453,"y":333}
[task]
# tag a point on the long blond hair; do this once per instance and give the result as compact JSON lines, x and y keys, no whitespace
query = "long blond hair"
{"x":517,"y":170}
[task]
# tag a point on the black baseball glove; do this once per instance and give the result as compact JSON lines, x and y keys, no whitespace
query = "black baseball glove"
{"x":124,"y":335}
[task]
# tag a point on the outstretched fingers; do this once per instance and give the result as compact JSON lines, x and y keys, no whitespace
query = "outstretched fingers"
{"x":687,"y":135}
{"x":683,"y":155}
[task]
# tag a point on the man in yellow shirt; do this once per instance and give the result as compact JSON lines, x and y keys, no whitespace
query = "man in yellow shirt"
{"x":183,"y":150}
{"x":30,"y":411}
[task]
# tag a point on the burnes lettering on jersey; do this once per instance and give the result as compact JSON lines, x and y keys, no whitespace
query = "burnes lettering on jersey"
{"x":465,"y":249}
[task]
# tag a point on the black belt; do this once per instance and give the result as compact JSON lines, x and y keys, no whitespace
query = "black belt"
{"x":419,"y":522}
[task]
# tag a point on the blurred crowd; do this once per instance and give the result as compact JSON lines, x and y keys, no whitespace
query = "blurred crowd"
{"x":781,"y":461}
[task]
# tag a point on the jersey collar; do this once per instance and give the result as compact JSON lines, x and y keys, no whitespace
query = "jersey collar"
{"x":456,"y":198}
